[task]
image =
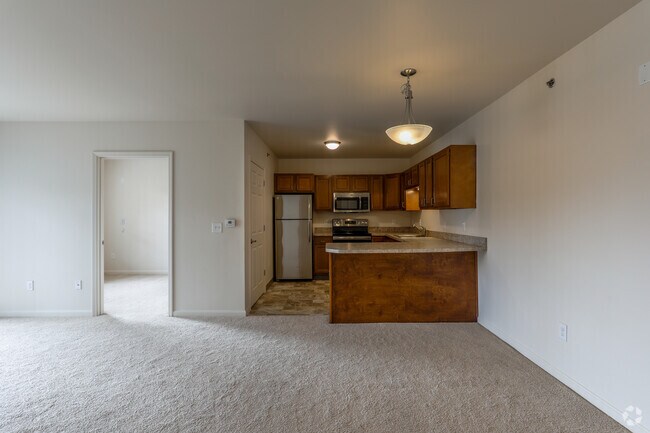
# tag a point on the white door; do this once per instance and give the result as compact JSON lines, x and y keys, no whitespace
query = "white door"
{"x":257,"y":232}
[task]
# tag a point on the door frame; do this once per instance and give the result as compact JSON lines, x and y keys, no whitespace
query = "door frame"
{"x":97,"y":297}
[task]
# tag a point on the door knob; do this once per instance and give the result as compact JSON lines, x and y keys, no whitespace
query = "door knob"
{"x":253,"y":241}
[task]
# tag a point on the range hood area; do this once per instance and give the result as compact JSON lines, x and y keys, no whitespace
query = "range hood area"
{"x":412,"y":198}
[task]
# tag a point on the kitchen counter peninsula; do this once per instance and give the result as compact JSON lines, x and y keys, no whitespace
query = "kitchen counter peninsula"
{"x":422,"y":279}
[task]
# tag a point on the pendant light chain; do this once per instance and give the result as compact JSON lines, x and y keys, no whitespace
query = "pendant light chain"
{"x":408,"y":95}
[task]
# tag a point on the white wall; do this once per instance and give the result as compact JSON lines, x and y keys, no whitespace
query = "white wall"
{"x":258,"y":152}
{"x":136,"y":203}
{"x":46,"y":191}
{"x":564,"y":200}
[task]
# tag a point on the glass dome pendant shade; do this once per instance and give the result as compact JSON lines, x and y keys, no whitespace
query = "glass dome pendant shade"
{"x":410,"y":132}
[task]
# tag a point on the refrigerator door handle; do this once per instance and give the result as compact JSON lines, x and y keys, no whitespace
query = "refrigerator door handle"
{"x":310,"y":231}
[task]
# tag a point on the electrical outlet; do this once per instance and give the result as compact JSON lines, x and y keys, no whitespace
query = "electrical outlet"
{"x":564,"y":330}
{"x":30,"y":285}
{"x":644,"y":74}
{"x":77,"y":285}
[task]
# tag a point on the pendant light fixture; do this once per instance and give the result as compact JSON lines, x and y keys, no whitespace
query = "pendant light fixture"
{"x":410,"y":132}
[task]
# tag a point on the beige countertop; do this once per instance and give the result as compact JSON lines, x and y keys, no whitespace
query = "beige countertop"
{"x":403,"y":246}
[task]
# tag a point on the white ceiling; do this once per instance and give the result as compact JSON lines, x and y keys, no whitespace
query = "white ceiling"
{"x":301,"y":71}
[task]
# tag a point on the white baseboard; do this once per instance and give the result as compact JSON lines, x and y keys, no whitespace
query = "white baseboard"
{"x":593,"y":398}
{"x":198,"y":314}
{"x":135,"y":272}
{"x":47,"y":313}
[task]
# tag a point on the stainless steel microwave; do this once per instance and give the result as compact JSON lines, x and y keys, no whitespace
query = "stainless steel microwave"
{"x":351,"y":202}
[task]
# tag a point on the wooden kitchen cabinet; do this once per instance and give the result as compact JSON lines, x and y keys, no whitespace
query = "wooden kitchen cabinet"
{"x":377,"y":193}
{"x":350,"y":183}
{"x":454,"y":177}
{"x":341,"y":183}
{"x":403,"y":186}
{"x":323,"y":193}
{"x":321,"y":257}
{"x":446,"y":180}
{"x":392,"y":192}
{"x":411,"y":177}
{"x":422,"y":182}
{"x":415,"y":176}
{"x":427,"y":190}
{"x":284,"y":183}
{"x":294,"y":183}
{"x":359,"y":184}
{"x":305,"y":183}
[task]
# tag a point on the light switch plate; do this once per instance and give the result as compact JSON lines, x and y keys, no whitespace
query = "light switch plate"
{"x":77,"y":285}
{"x":644,"y":74}
{"x":230,"y":223}
{"x":217,"y":227}
{"x":563,"y":332}
{"x":30,"y":285}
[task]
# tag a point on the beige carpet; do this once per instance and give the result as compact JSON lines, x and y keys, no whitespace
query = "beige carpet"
{"x":135,"y":294}
{"x":274,"y":374}
{"x":136,"y":372}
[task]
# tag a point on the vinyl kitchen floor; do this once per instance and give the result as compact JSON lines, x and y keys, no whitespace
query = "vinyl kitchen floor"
{"x":294,"y":298}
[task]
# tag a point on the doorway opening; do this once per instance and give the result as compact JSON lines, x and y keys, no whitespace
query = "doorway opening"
{"x":133,"y":233}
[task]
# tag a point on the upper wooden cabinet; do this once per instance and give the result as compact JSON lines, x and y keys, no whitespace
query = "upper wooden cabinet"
{"x":304,"y":183}
{"x":290,"y":183}
{"x":350,"y":183}
{"x":360,"y":184}
{"x":322,"y":193}
{"x":415,"y":175}
{"x":427,"y":189}
{"x":454,"y":177}
{"x":411,"y":177}
{"x":284,"y":183}
{"x":392,"y":192}
{"x":341,"y":183}
{"x":422,"y":183}
{"x":376,"y":192}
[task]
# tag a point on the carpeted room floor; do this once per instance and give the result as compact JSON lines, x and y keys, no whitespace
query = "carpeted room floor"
{"x":144,"y":372}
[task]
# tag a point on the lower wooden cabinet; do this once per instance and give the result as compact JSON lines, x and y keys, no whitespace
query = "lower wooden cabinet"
{"x":321,"y":257}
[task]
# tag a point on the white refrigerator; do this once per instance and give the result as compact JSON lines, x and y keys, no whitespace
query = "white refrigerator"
{"x":293,"y":237}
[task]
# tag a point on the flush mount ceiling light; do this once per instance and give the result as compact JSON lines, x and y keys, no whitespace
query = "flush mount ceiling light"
{"x":332,"y":144}
{"x":409,"y":132}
